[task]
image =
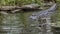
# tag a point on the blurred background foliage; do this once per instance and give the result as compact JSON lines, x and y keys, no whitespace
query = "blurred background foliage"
{"x":23,"y":16}
{"x":19,"y":2}
{"x":24,"y":2}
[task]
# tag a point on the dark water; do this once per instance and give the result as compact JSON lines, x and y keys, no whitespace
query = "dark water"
{"x":10,"y":23}
{"x":17,"y":23}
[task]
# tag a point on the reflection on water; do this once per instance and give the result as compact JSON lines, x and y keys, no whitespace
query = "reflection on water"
{"x":10,"y":23}
{"x":18,"y":23}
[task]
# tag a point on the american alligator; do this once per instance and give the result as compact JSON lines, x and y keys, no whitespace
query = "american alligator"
{"x":45,"y":13}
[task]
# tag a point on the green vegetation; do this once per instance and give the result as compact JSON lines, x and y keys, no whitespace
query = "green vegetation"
{"x":18,"y":2}
{"x":24,"y":16}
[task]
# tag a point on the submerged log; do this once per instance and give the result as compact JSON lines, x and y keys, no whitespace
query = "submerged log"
{"x":3,"y":8}
{"x":30,"y":7}
{"x":26,"y":7}
{"x":9,"y":9}
{"x":14,"y":9}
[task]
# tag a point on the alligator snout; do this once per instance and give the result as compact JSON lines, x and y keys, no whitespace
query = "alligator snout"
{"x":33,"y":17}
